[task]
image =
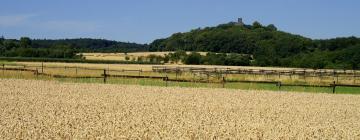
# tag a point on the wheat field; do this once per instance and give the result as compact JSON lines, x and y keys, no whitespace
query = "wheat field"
{"x":33,"y":109}
{"x":121,"y":56}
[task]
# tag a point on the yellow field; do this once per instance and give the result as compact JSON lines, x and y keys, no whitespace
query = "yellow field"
{"x":121,"y":56}
{"x":95,"y":66}
{"x":143,"y":67}
{"x":52,"y":110}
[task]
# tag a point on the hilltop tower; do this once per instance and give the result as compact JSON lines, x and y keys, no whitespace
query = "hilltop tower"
{"x":240,"y":22}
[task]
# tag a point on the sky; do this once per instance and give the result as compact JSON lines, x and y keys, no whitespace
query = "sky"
{"x":143,"y":21}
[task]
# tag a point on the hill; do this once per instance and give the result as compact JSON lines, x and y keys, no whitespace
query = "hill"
{"x":267,"y":45}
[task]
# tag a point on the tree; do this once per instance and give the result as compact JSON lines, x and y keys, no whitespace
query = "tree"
{"x":237,"y":60}
{"x":9,"y":44}
{"x":166,"y":58}
{"x":157,"y":45}
{"x":193,"y":58}
{"x":271,"y":27}
{"x":177,"y":56}
{"x":25,"y":42}
{"x":256,"y":25}
{"x":127,"y":58}
{"x":2,"y":39}
{"x":154,"y":58}
{"x":355,"y":62}
{"x":140,"y":59}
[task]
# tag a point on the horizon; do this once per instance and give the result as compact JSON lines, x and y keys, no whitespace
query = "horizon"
{"x":144,"y":21}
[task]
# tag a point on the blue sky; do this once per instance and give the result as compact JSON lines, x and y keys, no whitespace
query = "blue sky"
{"x":142,"y":21}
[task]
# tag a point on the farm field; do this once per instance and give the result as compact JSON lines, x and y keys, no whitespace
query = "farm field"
{"x":144,"y":66}
{"x":32,"y":109}
{"x":121,"y":56}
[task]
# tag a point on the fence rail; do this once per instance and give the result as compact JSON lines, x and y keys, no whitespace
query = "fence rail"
{"x":318,"y":72}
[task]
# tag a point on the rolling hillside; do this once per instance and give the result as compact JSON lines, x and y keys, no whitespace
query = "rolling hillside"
{"x":268,"y":45}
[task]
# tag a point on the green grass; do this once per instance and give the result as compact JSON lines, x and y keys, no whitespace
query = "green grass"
{"x":5,"y":62}
{"x":243,"y":86}
{"x":348,"y":90}
{"x":308,"y":89}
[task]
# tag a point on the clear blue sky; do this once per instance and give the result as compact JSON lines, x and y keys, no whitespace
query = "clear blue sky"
{"x":142,"y":21}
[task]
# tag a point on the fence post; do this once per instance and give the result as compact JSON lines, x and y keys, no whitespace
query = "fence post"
{"x":76,"y":70}
{"x":42,"y":67}
{"x":223,"y":82}
{"x":105,"y":75}
{"x":3,"y":69}
{"x":321,"y":75}
{"x":334,"y":87}
{"x":279,"y":75}
{"x":355,"y":78}
{"x":166,"y":80}
{"x":37,"y":73}
{"x":336,"y":76}
{"x":208,"y":77}
{"x":354,"y":74}
{"x":279,"y":85}
{"x":177,"y":72}
{"x":266,"y":76}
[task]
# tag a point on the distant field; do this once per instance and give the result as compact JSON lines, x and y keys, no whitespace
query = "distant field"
{"x":51,"y":110}
{"x":121,"y":56}
{"x":146,"y":70}
{"x":145,"y":67}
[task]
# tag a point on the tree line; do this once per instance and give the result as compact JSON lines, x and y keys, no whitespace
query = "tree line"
{"x":195,"y":58}
{"x":62,"y":48}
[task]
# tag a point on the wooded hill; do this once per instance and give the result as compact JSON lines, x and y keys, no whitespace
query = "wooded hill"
{"x":267,"y":45}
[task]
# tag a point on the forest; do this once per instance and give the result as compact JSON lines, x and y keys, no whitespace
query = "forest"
{"x":266,"y":46}
{"x":63,"y":48}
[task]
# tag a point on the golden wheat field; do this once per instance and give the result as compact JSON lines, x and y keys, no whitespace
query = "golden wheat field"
{"x":121,"y":56}
{"x":33,"y":109}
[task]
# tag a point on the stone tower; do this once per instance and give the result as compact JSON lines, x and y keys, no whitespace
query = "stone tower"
{"x":240,"y":22}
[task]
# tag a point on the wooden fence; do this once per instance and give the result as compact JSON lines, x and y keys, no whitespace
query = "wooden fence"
{"x":39,"y":71}
{"x":301,"y":72}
